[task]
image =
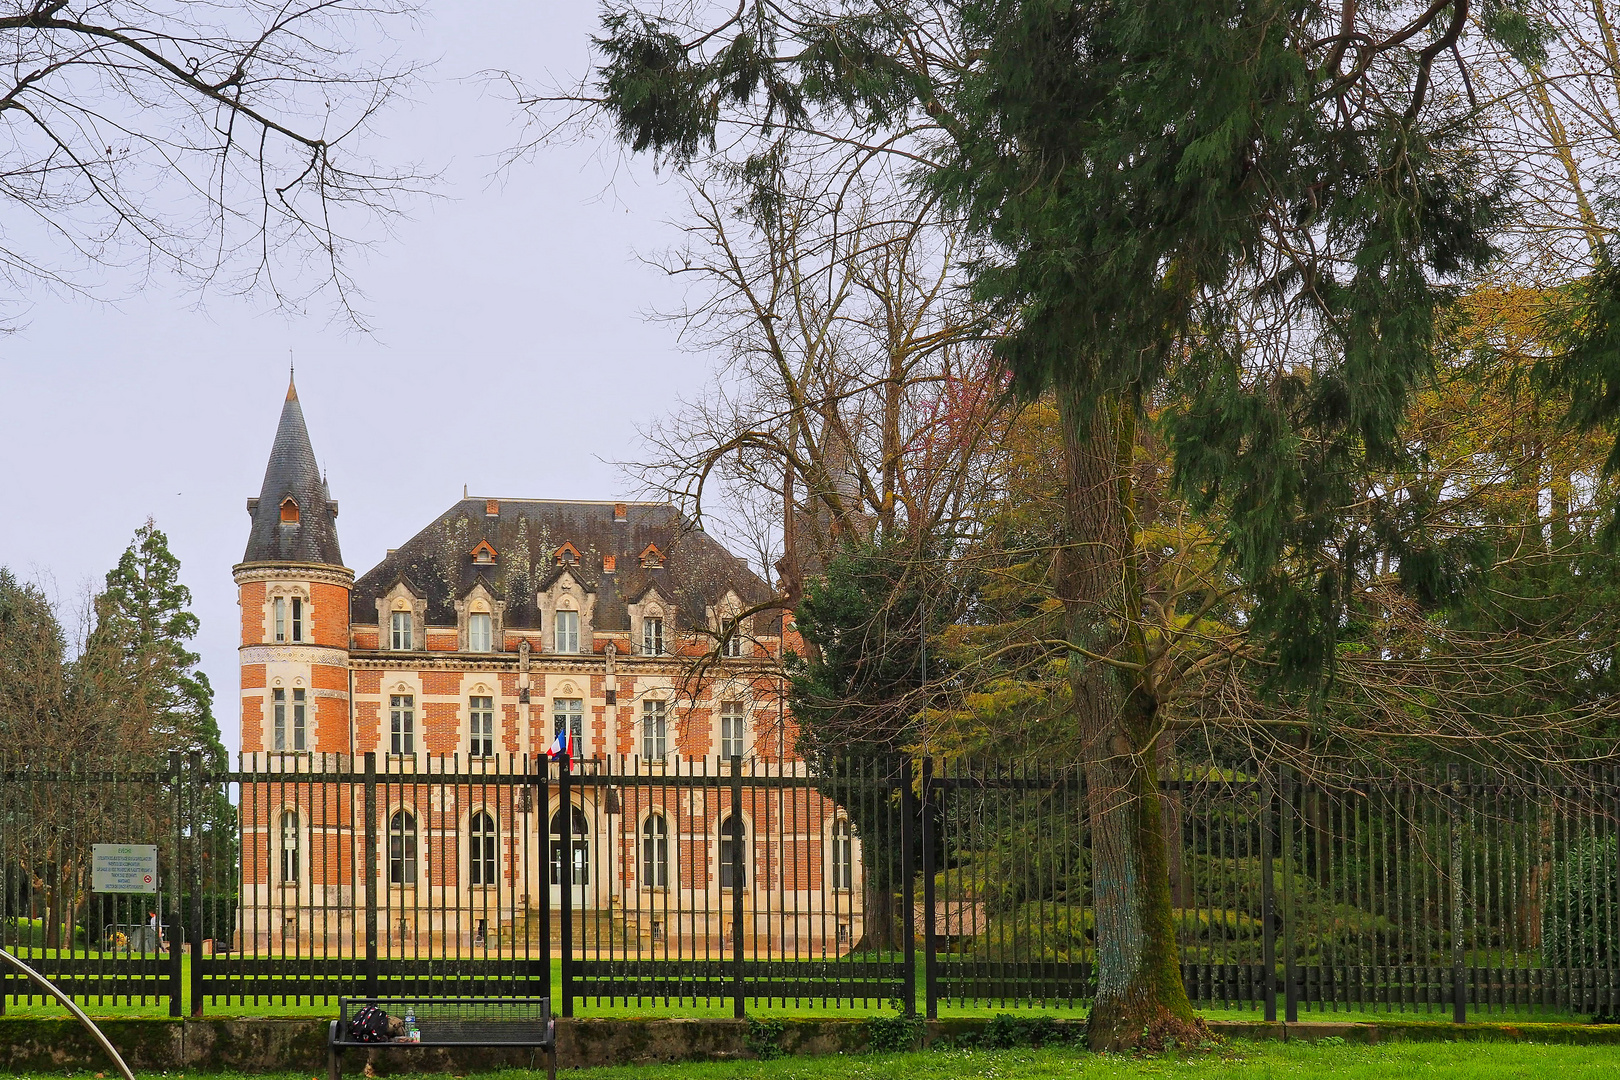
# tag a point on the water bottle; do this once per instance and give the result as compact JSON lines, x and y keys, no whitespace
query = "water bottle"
{"x":410,"y":1024}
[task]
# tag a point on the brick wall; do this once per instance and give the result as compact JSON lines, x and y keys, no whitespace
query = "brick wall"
{"x":330,"y":624}
{"x":251,"y":597}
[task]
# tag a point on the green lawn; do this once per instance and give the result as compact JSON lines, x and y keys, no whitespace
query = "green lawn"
{"x":1236,"y":1061}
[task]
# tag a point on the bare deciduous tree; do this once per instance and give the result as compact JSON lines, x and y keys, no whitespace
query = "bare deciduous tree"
{"x":216,"y":140}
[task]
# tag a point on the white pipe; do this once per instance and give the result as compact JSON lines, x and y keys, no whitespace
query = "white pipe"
{"x":45,"y":984}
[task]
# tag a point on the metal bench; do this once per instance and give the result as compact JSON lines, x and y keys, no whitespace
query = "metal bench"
{"x":452,"y":1022}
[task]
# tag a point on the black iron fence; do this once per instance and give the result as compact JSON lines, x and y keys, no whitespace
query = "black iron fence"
{"x":751,"y":883}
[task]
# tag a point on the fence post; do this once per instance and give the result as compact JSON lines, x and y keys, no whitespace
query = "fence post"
{"x":1290,"y":975}
{"x":371,"y":875}
{"x":177,"y":882}
{"x":542,"y":769}
{"x":930,"y":975}
{"x":565,"y":878}
{"x":1459,"y":989}
{"x":908,"y":897}
{"x":199,"y":801}
{"x":1268,"y":899}
{"x":739,"y":881}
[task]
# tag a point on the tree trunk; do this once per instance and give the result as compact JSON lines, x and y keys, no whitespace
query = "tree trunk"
{"x":880,"y":931}
{"x":1140,"y":1000}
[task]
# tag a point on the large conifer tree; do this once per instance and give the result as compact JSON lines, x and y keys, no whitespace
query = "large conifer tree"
{"x":144,"y":617}
{"x":1261,"y":205}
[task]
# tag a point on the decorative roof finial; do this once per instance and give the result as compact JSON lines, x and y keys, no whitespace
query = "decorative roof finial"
{"x":292,"y":389}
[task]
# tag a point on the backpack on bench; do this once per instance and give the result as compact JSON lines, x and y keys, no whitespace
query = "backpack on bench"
{"x":369,"y":1025}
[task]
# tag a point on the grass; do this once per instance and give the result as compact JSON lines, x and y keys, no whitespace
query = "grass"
{"x":1235,"y":1061}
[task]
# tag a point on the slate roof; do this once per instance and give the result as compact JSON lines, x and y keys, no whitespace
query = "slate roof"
{"x":292,"y":471}
{"x":437,"y":562}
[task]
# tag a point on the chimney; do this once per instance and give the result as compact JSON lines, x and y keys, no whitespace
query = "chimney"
{"x":608,"y":562}
{"x":492,"y":508}
{"x":621,"y":512}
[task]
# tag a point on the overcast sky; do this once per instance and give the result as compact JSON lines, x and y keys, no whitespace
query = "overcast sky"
{"x":510,"y":353}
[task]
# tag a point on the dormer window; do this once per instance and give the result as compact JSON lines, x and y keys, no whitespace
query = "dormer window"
{"x":732,"y":647}
{"x":651,"y":557}
{"x":399,"y":626}
{"x":289,"y":511}
{"x":652,"y":636}
{"x":567,"y":635}
{"x":483,"y":554}
{"x":480,"y":632}
{"x":567,"y":555}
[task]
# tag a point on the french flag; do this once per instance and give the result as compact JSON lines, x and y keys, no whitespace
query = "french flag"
{"x":563,"y":745}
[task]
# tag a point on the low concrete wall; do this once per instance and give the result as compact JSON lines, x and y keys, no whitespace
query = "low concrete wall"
{"x":276,"y":1045}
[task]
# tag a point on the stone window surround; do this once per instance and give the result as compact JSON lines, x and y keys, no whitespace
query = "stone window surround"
{"x":565,"y":592}
{"x":652,"y":605}
{"x":853,"y":869}
{"x":287,"y":590}
{"x":671,"y":846}
{"x":723,"y":696}
{"x":401,"y":598}
{"x":302,"y":824}
{"x":727,"y":609}
{"x":467,"y":834}
{"x":464,"y":718}
{"x":479,"y":600}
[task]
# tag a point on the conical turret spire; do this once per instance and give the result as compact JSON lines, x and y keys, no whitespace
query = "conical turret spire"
{"x":294,"y":518}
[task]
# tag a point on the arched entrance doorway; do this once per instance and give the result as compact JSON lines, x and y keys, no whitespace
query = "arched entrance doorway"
{"x":578,"y":847}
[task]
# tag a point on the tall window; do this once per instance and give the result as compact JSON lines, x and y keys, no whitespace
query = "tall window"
{"x":399,"y":625}
{"x":579,"y":844}
{"x":479,"y":633}
{"x":482,"y":710}
{"x":279,"y":604}
{"x":733,"y":870}
{"x":652,"y":636}
{"x":731,"y":729}
{"x":843,"y":855}
{"x":481,"y":850}
{"x":569,"y":712}
{"x":402,"y":723}
{"x":402,"y":848}
{"x":297,"y":619}
{"x":733,"y":643}
{"x":567,"y":636}
{"x":289,"y":847}
{"x":654,"y":730}
{"x":298,"y":720}
{"x":654,"y":852}
{"x":278,"y":709}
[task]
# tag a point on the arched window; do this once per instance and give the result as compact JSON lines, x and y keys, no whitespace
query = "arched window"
{"x":481,"y":850}
{"x":733,"y":870}
{"x":843,"y":855}
{"x":402,"y":848}
{"x":290,"y":854}
{"x":580,"y":845}
{"x":654,"y":852}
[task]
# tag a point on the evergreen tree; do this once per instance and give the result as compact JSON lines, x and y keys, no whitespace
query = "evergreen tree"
{"x":1262,"y":205}
{"x":145,"y":614}
{"x":33,"y":668}
{"x":856,"y":697}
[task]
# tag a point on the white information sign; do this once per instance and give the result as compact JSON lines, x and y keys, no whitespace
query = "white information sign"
{"x":123,"y":868}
